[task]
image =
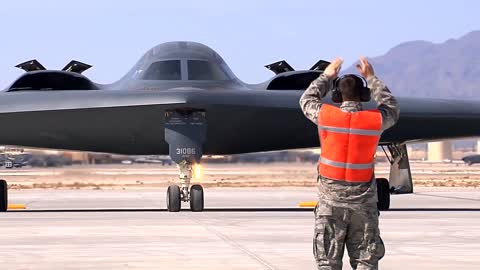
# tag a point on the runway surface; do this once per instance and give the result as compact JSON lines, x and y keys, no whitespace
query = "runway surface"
{"x":129,"y":229}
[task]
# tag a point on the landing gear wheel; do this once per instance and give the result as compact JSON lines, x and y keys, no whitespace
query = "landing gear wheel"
{"x":383,"y":191}
{"x":196,"y":198}
{"x":173,"y":198}
{"x":3,"y":196}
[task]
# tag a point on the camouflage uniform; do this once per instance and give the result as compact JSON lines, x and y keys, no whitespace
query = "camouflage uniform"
{"x":346,"y":213}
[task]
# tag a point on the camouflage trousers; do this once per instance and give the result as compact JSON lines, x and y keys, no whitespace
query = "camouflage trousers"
{"x":337,"y":227}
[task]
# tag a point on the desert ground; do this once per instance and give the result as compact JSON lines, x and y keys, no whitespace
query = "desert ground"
{"x":147,"y":176}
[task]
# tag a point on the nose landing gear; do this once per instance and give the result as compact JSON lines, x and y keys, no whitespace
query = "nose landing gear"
{"x":184,"y":193}
{"x":185,"y":132}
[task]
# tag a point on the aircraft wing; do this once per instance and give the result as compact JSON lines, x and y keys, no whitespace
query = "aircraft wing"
{"x":238,"y":121}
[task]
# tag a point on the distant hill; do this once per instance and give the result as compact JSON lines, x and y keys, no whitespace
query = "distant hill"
{"x":425,"y":69}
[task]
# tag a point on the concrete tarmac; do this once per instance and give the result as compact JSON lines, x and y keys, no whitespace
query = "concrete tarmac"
{"x":115,"y":229}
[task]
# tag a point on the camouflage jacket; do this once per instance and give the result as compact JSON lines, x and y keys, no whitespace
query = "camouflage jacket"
{"x":342,"y":193}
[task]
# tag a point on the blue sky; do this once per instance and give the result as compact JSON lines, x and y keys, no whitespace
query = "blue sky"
{"x":112,"y":35}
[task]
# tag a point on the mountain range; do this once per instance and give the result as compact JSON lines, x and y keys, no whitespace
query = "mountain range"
{"x":424,"y":69}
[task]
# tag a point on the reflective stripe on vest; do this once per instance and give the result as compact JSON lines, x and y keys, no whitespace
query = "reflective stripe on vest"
{"x":349,"y":141}
{"x":345,"y":165}
{"x":351,"y":130}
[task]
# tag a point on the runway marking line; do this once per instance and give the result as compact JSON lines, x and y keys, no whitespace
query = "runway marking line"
{"x":307,"y":204}
{"x":16,"y":206}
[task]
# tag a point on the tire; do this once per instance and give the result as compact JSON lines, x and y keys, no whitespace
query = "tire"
{"x":173,"y":199}
{"x":383,"y":191}
{"x":3,"y":196}
{"x":196,"y":198}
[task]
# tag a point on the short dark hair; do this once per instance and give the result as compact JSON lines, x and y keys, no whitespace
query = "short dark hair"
{"x":350,"y":87}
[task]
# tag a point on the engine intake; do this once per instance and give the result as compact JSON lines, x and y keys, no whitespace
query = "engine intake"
{"x":45,"y":80}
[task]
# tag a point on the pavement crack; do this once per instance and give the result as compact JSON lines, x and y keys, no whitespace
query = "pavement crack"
{"x":234,"y":244}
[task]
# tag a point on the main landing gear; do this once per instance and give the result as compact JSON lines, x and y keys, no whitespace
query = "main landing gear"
{"x":185,"y":132}
{"x":3,"y":196}
{"x":383,"y":191}
{"x":400,"y":180}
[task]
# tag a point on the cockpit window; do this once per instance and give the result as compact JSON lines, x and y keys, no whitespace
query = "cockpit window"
{"x":164,"y":70}
{"x":203,"y":70}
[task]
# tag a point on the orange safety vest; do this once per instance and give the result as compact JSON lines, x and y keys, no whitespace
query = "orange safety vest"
{"x":349,"y":141}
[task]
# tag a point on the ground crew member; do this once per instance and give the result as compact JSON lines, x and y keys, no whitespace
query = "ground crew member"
{"x":346,"y":213}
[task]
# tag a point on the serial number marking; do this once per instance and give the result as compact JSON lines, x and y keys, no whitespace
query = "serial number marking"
{"x":186,"y":151}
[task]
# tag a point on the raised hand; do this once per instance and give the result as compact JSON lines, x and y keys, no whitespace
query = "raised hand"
{"x":332,"y":70}
{"x":365,"y":68}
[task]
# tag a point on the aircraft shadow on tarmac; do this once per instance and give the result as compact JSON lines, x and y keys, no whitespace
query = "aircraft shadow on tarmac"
{"x":292,"y":209}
